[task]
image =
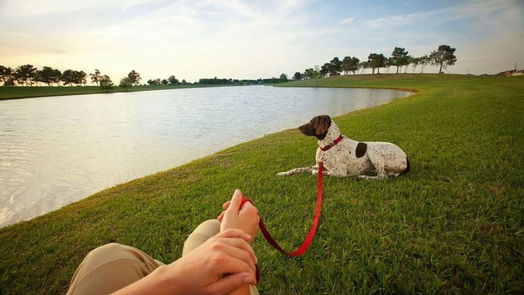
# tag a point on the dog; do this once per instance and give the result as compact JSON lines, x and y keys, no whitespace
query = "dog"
{"x":343,"y":156}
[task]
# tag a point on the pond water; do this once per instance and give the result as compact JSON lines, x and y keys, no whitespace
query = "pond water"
{"x":57,"y":150}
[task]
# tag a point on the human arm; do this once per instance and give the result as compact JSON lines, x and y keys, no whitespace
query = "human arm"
{"x":223,"y":263}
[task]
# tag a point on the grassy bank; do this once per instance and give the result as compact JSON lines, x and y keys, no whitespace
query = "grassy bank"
{"x":39,"y":91}
{"x":453,"y":225}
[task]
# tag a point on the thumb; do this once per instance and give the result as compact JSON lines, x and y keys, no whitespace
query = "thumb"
{"x":231,"y":283}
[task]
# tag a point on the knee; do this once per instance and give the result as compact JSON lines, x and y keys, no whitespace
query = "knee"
{"x":208,"y":228}
{"x":107,"y":251}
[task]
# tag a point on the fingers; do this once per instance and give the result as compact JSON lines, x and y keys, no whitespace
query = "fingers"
{"x":241,"y":254}
{"x":234,"y":233}
{"x":221,"y":216}
{"x":242,"y":244}
{"x":231,"y":283}
{"x":226,"y":204}
{"x":248,"y":209}
{"x":236,"y":200}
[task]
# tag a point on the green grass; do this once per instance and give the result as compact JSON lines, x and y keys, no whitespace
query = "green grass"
{"x":39,"y":91}
{"x":453,"y":225}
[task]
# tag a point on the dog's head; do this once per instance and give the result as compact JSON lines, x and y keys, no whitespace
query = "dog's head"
{"x":318,"y":126}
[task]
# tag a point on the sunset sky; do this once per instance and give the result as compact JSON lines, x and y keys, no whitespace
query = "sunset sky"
{"x":253,"y":39}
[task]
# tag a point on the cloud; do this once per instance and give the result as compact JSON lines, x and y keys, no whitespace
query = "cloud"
{"x":468,"y":10}
{"x":348,"y":20}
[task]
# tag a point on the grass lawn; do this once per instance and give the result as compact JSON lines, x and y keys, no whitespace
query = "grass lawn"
{"x":38,"y":91}
{"x":453,"y":225}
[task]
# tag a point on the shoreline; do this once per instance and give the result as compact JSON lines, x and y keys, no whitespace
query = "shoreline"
{"x":85,"y":90}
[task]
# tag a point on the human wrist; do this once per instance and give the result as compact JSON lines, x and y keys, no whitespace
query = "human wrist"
{"x":167,"y":279}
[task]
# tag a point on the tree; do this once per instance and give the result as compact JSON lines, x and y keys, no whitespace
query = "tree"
{"x":173,"y":80}
{"x":47,"y":75}
{"x":298,"y":76}
{"x":164,"y":82}
{"x":444,"y":56}
{"x":24,"y":73}
{"x":376,"y":61}
{"x":105,"y":83}
{"x":423,"y":61}
{"x":133,"y":77}
{"x":125,"y":83}
{"x":151,"y":82}
{"x":95,"y":77}
{"x":308,"y":73}
{"x":363,"y":65}
{"x":414,"y":61}
{"x":335,"y":66}
{"x":9,"y":82}
{"x":324,"y":70}
{"x":399,"y":57}
{"x":5,"y":73}
{"x":283,"y":77}
{"x":350,"y":64}
{"x":79,"y":77}
{"x":68,"y":77}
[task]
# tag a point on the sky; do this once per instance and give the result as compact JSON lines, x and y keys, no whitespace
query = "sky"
{"x":194,"y":39}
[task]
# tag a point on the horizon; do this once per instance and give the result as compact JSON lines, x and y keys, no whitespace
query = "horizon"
{"x":251,"y":40}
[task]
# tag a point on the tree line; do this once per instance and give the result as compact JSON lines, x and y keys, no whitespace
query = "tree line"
{"x":28,"y":75}
{"x":443,"y":57}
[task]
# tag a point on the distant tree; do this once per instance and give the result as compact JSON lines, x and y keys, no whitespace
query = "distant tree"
{"x":125,"y":83}
{"x":46,"y":75}
{"x":184,"y":82}
{"x":95,"y":77}
{"x":363,"y":65}
{"x":68,"y":77}
{"x":151,"y":82}
{"x":164,"y":82}
{"x":134,"y":77}
{"x":444,"y":56}
{"x":376,"y":61}
{"x":298,"y":76}
{"x":414,"y":62}
{"x":423,"y":61}
{"x":105,"y":83}
{"x":324,"y":70}
{"x":5,"y":73}
{"x":335,"y":67}
{"x":24,"y":73}
{"x":308,"y":73}
{"x":399,"y":58}
{"x":283,"y":77}
{"x":349,"y":64}
{"x":80,"y":77}
{"x":9,"y":82}
{"x":173,"y":80}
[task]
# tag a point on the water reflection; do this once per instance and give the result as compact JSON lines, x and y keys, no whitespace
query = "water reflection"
{"x":56,"y":150}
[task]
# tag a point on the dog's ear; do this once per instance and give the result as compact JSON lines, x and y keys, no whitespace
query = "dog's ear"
{"x":321,"y":124}
{"x":361,"y":149}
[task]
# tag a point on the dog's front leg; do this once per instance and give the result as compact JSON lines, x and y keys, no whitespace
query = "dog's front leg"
{"x":297,"y":170}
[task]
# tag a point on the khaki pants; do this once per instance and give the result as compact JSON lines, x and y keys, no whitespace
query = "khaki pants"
{"x":113,"y":266}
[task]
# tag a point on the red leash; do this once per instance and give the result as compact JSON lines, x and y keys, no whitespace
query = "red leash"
{"x":312,"y":231}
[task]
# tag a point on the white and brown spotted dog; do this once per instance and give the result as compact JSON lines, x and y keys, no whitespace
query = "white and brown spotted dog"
{"x":346,"y":157}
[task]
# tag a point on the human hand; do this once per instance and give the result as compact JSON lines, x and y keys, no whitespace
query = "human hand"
{"x":245,"y":218}
{"x":222,"y":264}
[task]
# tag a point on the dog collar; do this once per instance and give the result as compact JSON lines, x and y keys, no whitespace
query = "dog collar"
{"x":334,"y":143}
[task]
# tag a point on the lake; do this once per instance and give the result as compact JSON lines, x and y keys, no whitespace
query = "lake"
{"x":57,"y":150}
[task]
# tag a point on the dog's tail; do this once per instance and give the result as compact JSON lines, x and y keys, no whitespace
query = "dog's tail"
{"x":407,"y":167}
